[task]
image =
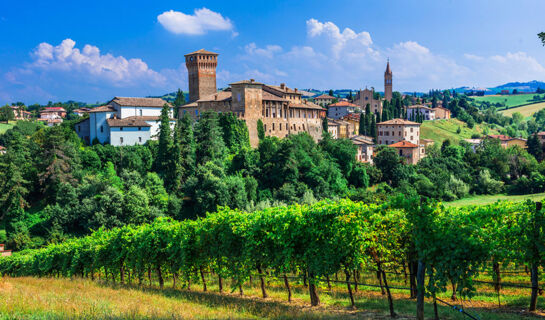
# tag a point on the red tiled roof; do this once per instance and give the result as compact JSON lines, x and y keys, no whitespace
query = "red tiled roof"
{"x":140,"y":102}
{"x":106,"y":108}
{"x":403,"y":144}
{"x":324,"y":96}
{"x":202,"y":51}
{"x":343,"y":104}
{"x":501,"y":137}
{"x":54,"y":109}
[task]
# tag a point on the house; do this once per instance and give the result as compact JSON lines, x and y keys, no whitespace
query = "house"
{"x":396,"y":130}
{"x":541,"y":136}
{"x":124,"y":121}
{"x":81,"y":111}
{"x":52,"y":115}
{"x":410,"y":152}
{"x":333,"y":129}
{"x":4,"y":252}
{"x":365,"y":148}
{"x":426,"y":113}
{"x":441,"y":113}
{"x":19,"y":113}
{"x":426,"y":142}
{"x":474,"y":143}
{"x":517,"y":142}
{"x":354,"y":120}
{"x":324,"y":100}
{"x":507,"y":141}
{"x":340,"y":109}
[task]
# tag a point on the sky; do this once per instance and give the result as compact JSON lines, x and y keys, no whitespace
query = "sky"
{"x":95,"y":50}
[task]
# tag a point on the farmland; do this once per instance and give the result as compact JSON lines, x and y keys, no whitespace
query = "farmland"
{"x":509,"y":100}
{"x":526,"y":111}
{"x":487,"y":199}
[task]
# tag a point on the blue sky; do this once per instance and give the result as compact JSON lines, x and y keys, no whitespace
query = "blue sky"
{"x":92,"y":51}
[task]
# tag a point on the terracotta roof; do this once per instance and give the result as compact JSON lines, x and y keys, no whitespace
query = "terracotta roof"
{"x":362,"y":140}
{"x":2,"y":148}
{"x":399,"y":121}
{"x":140,"y":102}
{"x":54,"y":109}
{"x":352,"y":116}
{"x":307,"y":105}
{"x":193,"y":104}
{"x":285,"y":89}
{"x":542,"y":133}
{"x":324,"y":96}
{"x":106,"y":108}
{"x":403,"y":144}
{"x":501,"y":137}
{"x":343,"y":104}
{"x":218,"y":96}
{"x":271,"y":97}
{"x":521,"y":139}
{"x":202,"y":51}
{"x":419,"y":107}
{"x":251,"y":81}
{"x":128,"y":122}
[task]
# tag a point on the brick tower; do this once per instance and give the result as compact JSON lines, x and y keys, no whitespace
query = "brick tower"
{"x":201,"y":70}
{"x":388,"y":82}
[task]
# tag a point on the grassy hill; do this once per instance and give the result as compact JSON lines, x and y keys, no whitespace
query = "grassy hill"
{"x":5,"y":127}
{"x":487,"y":199}
{"x":526,"y":111}
{"x":509,"y":100}
{"x":440,"y":130}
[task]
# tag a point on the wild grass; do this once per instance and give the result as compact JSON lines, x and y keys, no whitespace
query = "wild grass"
{"x":440,"y":130}
{"x":526,"y":111}
{"x":48,"y":298}
{"x":509,"y":100}
{"x":5,"y":127}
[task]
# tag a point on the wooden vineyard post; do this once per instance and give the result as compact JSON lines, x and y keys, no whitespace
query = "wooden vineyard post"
{"x":287,"y":284}
{"x":352,"y":303}
{"x":420,"y":288}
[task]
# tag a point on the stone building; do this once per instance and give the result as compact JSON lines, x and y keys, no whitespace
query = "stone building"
{"x":201,"y":70}
{"x":410,"y":152}
{"x":281,"y":109}
{"x":396,"y":130}
{"x":324,"y":100}
{"x":341,"y":109}
{"x":388,"y":83}
{"x":365,"y":97}
{"x":441,"y":113}
{"x":365,"y":147}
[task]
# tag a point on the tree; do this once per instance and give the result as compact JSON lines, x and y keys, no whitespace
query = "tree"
{"x":362,"y":127}
{"x":388,"y":161}
{"x":331,"y":92}
{"x":163,"y":164}
{"x":6,"y":113}
{"x":180,"y":99}
{"x":534,"y":147}
{"x":235,"y":132}
{"x":209,"y":139}
{"x":187,"y":147}
{"x":373,"y":129}
{"x":260,"y":130}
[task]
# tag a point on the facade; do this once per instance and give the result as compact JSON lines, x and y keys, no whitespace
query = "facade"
{"x":426,"y":112}
{"x":340,"y":109}
{"x":52,"y":115}
{"x":124,"y":121}
{"x":426,"y":142}
{"x":507,"y":141}
{"x":333,"y":129}
{"x":201,"y":71}
{"x":410,"y":152}
{"x":474,"y":143}
{"x":366,"y":97}
{"x":396,"y":130}
{"x":19,"y":113}
{"x":388,"y":83}
{"x":81,"y":111}
{"x":354,"y":120}
{"x":441,"y":113}
{"x":517,"y":142}
{"x":365,"y":146}
{"x":324,"y":100}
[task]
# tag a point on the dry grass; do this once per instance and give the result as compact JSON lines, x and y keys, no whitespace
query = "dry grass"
{"x":526,"y":111}
{"x":46,"y":298}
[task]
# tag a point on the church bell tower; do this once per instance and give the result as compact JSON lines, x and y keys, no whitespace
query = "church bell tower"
{"x":201,"y":71}
{"x":388,"y":82}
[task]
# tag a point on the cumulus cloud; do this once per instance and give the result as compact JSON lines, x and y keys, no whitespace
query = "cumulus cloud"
{"x":64,"y":71}
{"x":268,"y":51}
{"x":198,"y":23}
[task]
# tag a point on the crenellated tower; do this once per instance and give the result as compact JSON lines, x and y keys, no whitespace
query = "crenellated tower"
{"x":201,"y":71}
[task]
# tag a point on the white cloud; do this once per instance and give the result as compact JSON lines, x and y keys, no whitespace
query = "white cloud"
{"x":201,"y":21}
{"x":268,"y":51}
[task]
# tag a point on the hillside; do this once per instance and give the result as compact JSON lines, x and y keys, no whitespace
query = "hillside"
{"x":4,"y":127}
{"x":509,"y":100}
{"x":526,"y":111}
{"x":440,"y":130}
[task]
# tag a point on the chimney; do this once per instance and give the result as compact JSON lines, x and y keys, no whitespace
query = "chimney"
{"x":282,"y":86}
{"x":216,"y":97}
{"x":252,"y":80}
{"x":295,"y":89}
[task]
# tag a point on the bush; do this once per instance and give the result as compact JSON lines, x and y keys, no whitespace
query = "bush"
{"x":486,"y":184}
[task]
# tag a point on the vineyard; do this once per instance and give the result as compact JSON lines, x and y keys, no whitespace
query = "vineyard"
{"x":403,"y":245}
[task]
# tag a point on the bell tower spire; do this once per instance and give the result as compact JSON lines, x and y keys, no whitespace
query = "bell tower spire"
{"x":388,"y":82}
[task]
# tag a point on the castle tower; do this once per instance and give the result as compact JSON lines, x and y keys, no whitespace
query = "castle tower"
{"x":201,"y":71}
{"x":388,"y":82}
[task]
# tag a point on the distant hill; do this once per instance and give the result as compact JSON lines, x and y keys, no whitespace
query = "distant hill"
{"x":530,"y":86}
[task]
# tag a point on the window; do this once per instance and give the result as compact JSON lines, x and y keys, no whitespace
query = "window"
{"x":121,"y":139}
{"x":411,"y":137}
{"x":273,"y":126}
{"x":101,"y":129}
{"x":411,"y":129}
{"x":140,"y":112}
{"x":280,"y":125}
{"x":400,"y":153}
{"x":139,"y":139}
{"x":139,"y":128}
{"x":120,"y":128}
{"x":265,"y":127}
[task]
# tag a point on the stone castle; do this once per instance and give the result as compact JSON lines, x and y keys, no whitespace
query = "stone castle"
{"x":281,"y":109}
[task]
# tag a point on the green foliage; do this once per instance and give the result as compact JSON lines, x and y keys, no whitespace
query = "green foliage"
{"x":260,"y":130}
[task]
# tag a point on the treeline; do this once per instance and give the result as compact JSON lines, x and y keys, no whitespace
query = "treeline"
{"x":446,"y":247}
{"x":52,"y":187}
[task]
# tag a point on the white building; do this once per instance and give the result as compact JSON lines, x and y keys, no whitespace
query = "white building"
{"x":365,"y":146}
{"x":124,"y":121}
{"x":340,"y":109}
{"x":426,"y":112}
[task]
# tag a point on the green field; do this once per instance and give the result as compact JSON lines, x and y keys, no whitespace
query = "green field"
{"x":49,"y":298}
{"x":509,"y":100}
{"x":440,"y":130}
{"x":5,"y":126}
{"x":487,"y":199}
{"x":526,"y":111}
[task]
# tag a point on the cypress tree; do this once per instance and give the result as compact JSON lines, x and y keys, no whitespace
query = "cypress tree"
{"x":165,"y":143}
{"x":209,"y":139}
{"x":373,"y":129}
{"x":187,"y":147}
{"x":362,"y":124}
{"x":261,"y":130}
